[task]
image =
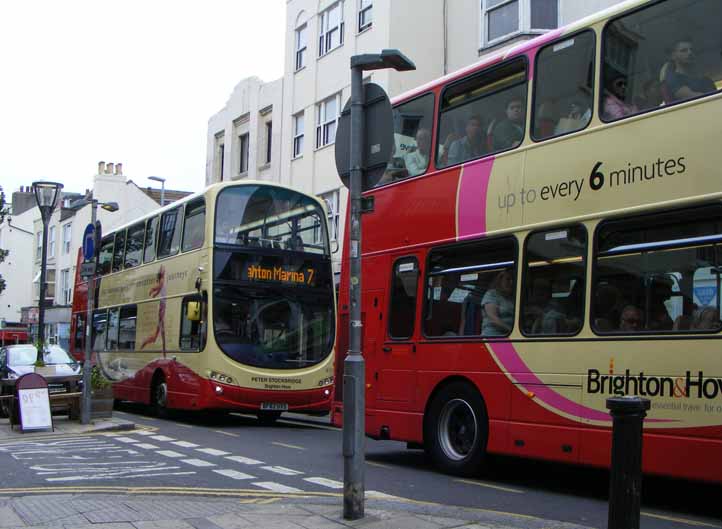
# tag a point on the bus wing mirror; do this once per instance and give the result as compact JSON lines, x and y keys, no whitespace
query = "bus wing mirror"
{"x":193,"y":311}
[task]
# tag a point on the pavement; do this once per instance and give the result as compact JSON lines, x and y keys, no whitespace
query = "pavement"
{"x":62,"y":425}
{"x":250,"y":510}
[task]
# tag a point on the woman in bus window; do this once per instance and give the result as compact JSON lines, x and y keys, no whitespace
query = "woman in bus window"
{"x":498,"y":305}
{"x":615,"y":102}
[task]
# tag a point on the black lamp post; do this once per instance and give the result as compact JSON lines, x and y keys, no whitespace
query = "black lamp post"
{"x":46,"y":195}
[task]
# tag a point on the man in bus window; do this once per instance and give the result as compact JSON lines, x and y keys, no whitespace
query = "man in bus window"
{"x":678,"y":76}
{"x":418,"y":160}
{"x":631,"y":320}
{"x":510,"y":131}
{"x":471,"y":145}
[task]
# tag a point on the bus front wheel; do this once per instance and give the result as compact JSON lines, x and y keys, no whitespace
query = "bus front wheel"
{"x":159,"y":396}
{"x":456,"y":430}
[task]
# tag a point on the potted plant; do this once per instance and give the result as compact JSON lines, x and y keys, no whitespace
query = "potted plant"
{"x":40,"y":367}
{"x":101,"y":394}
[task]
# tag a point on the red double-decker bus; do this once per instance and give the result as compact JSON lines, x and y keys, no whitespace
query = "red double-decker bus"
{"x":12,"y":332}
{"x":547,"y":237}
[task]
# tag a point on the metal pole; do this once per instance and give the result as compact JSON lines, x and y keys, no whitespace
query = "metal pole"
{"x":625,"y":478}
{"x":162,"y":193}
{"x":354,"y":369}
{"x":86,"y":404}
{"x":41,"y":298}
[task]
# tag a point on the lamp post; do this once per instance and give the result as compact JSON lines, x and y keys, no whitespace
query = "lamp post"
{"x":87,"y":357}
{"x":162,"y":188}
{"x":46,"y":196}
{"x":354,"y":365}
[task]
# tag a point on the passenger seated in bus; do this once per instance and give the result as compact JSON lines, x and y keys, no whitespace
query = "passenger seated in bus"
{"x":606,"y":307}
{"x":471,"y":145}
{"x":657,"y":315}
{"x":418,"y":159}
{"x":546,"y":118}
{"x":509,"y":132}
{"x":707,"y":320}
{"x":395,"y":169}
{"x":631,"y":319}
{"x":651,"y":95}
{"x":580,"y":112}
{"x":679,"y":79}
{"x":616,"y":105}
{"x":498,"y":305}
{"x":539,"y":298}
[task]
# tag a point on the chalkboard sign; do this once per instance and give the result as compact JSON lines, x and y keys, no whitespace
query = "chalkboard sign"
{"x":34,"y":403}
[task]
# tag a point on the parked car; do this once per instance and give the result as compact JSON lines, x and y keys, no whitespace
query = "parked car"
{"x":17,"y":360}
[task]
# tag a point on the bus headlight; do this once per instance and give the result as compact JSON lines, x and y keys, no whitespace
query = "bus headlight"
{"x":219,"y":390}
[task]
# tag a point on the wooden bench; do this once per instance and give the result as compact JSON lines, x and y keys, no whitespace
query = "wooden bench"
{"x":70,"y":401}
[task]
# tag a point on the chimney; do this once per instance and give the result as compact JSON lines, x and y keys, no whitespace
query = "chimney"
{"x":101,"y":167}
{"x":109,"y":168}
{"x":119,"y":169}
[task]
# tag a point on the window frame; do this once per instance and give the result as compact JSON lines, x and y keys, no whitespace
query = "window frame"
{"x":601,"y":62}
{"x":324,"y":41}
{"x":202,"y":324}
{"x":148,"y":222}
{"x":300,"y":51}
{"x":179,"y":218}
{"x":193,"y":213}
{"x":120,"y":324}
{"x":142,"y":249}
{"x":121,"y":255}
{"x":333,"y":198}
{"x":595,"y":87}
{"x":515,"y":268}
{"x":103,"y":241}
{"x":269,"y":142}
{"x":321,"y":126}
{"x":693,"y":212}
{"x":394,"y":263}
{"x":298,"y":145}
{"x":362,"y":10}
{"x":51,"y":242}
{"x":524,"y":13}
{"x":244,"y":152}
{"x":440,"y":112}
{"x":67,"y":230}
{"x":524,"y":279}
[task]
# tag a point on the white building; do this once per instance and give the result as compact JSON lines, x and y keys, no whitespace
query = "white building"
{"x":23,"y":234}
{"x":440,"y":36}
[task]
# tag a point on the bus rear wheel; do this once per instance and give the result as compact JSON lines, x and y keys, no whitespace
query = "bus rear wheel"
{"x":268,"y":418}
{"x":456,"y":430}
{"x":159,"y":397}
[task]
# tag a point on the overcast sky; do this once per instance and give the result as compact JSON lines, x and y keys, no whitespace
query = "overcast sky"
{"x":131,"y":81}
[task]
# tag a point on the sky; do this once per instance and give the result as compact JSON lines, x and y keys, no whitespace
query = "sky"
{"x":131,"y":81}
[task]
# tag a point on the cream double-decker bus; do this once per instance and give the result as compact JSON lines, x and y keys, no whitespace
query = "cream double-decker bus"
{"x":221,"y":301}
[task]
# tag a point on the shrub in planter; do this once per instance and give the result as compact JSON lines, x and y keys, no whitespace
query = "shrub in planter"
{"x":101,"y":392}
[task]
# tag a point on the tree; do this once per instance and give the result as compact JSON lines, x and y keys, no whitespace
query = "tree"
{"x":3,"y":253}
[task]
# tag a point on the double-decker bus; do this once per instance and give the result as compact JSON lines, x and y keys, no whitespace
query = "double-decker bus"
{"x":12,"y":332}
{"x":548,"y":236}
{"x":221,"y":301}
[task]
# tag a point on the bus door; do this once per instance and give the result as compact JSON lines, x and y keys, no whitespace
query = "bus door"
{"x":397,"y":360}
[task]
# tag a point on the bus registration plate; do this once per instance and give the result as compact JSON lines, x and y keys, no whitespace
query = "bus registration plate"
{"x":275,"y":406}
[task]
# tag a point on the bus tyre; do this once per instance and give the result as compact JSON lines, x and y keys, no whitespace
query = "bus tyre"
{"x":456,"y":430}
{"x":4,"y":408}
{"x":268,"y":418}
{"x":159,"y":397}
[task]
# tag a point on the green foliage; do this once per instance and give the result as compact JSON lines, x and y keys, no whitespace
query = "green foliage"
{"x":98,"y":380}
{"x":39,"y":362}
{"x":3,"y":213}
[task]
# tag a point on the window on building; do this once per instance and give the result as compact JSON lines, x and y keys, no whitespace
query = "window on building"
{"x":119,"y":251}
{"x":332,"y":212}
{"x":659,"y":273}
{"x":269,"y":140}
{"x":327,"y":114}
{"x":564,"y":86}
{"x":194,"y":227}
{"x":331,"y":28}
{"x":413,"y":122}
{"x":134,"y":245}
{"x":503,"y":19}
{"x":244,"y":149}
{"x":100,"y":326}
{"x":170,"y":234}
{"x":402,"y":308}
{"x":483,"y":114}
{"x":66,"y":287}
{"x":151,"y":234}
{"x":298,"y":134}
{"x":365,"y":14}
{"x":663,"y":54}
{"x":301,"y":46}
{"x":51,"y":242}
{"x":470,"y":289}
{"x":67,"y":236}
{"x":126,"y":328}
{"x":50,"y":284}
{"x":105,"y":255}
{"x":38,"y":245}
{"x":554,"y":282}
{"x":219,"y":158}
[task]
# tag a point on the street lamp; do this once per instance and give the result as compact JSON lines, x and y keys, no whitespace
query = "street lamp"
{"x":111,"y":207}
{"x":354,"y":366}
{"x":46,"y":196}
{"x":162,"y":188}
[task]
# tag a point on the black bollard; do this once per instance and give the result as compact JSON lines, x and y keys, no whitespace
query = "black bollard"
{"x":625,"y":478}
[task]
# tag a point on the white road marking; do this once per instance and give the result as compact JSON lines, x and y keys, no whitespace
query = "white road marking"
{"x":233,"y":474}
{"x":184,"y":444}
{"x":284,"y":445}
{"x":283,"y":471}
{"x":125,"y":439}
{"x":379,"y":495}
{"x":245,"y":460}
{"x":89,"y":478}
{"x":144,"y":432}
{"x":147,"y":446}
{"x":331,"y":484}
{"x":170,"y":453}
{"x":162,"y":438}
{"x":489,"y":486}
{"x":212,"y":451}
{"x":276,"y":487}
{"x":227,"y":433}
{"x":198,"y":462}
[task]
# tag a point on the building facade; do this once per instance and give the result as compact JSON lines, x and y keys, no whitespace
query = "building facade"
{"x":440,"y":36}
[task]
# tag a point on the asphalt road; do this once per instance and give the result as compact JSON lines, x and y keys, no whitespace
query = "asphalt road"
{"x":303,"y":453}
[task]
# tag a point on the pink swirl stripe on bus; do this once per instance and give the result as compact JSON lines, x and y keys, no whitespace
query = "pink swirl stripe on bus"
{"x":513,"y":364}
{"x":473,"y":189}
